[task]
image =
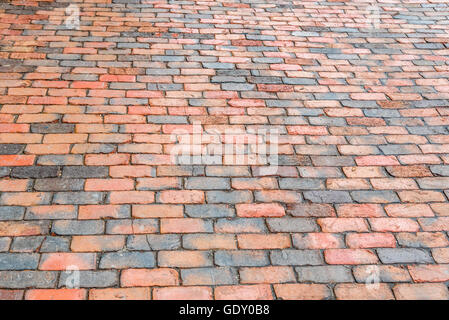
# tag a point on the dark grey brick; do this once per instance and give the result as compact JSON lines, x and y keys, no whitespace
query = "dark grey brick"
{"x":58,"y":184}
{"x":11,"y":148}
{"x":35,"y":172}
{"x":4,"y":172}
{"x":52,"y":128}
{"x":85,"y":172}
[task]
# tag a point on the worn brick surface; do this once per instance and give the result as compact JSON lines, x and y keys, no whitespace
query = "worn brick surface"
{"x":90,"y":118}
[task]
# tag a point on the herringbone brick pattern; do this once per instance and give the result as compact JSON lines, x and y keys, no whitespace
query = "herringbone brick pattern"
{"x":358,"y":92}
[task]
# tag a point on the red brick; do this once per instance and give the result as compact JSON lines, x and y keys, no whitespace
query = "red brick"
{"x":120,"y":294}
{"x":149,"y":277}
{"x":248,"y":292}
{"x":260,"y":210}
{"x":296,"y":291}
{"x":56,"y":294}
{"x":182,"y":293}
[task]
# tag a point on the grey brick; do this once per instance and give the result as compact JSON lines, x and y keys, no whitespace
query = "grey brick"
{"x":11,"y":213}
{"x":26,"y":244}
{"x":209,"y":211}
{"x":207,"y":183}
{"x":229,"y":86}
{"x":56,"y":244}
{"x":167,"y":119}
{"x":320,"y":172}
{"x":293,"y":160}
{"x":18,"y":261}
{"x":60,"y":159}
{"x":35,"y":172}
{"x":78,"y":197}
{"x":85,"y":172}
{"x":4,"y":172}
{"x":28,"y":279}
{"x":288,"y":224}
{"x":227,"y":79}
{"x":52,"y":128}
{"x":229,"y":197}
{"x":299,"y":81}
{"x":327,"y":196}
{"x":154,"y":242}
{"x":327,"y":121}
{"x":209,"y":276}
{"x":291,"y":257}
{"x":265,"y":80}
{"x":5,"y":242}
{"x":90,"y":279}
{"x":381,"y":113}
{"x":112,"y":224}
{"x":434,"y":183}
{"x":124,"y":260}
{"x":399,"y":149}
{"x":78,"y":227}
{"x":58,"y":184}
{"x":241,"y":258}
{"x":219,"y":65}
{"x":333,"y":161}
{"x":374,"y":196}
{"x":324,"y":274}
{"x":11,"y":148}
{"x":240,"y":225}
{"x":404,"y":255}
{"x":301,"y":184}
{"x":440,"y":170}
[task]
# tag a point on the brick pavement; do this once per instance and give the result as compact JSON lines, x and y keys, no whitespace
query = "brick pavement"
{"x":93,"y":205}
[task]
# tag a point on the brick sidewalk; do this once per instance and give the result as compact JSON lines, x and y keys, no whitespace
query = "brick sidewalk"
{"x":90,"y":118}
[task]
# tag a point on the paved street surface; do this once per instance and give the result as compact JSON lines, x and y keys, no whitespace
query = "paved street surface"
{"x":228,"y":149}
